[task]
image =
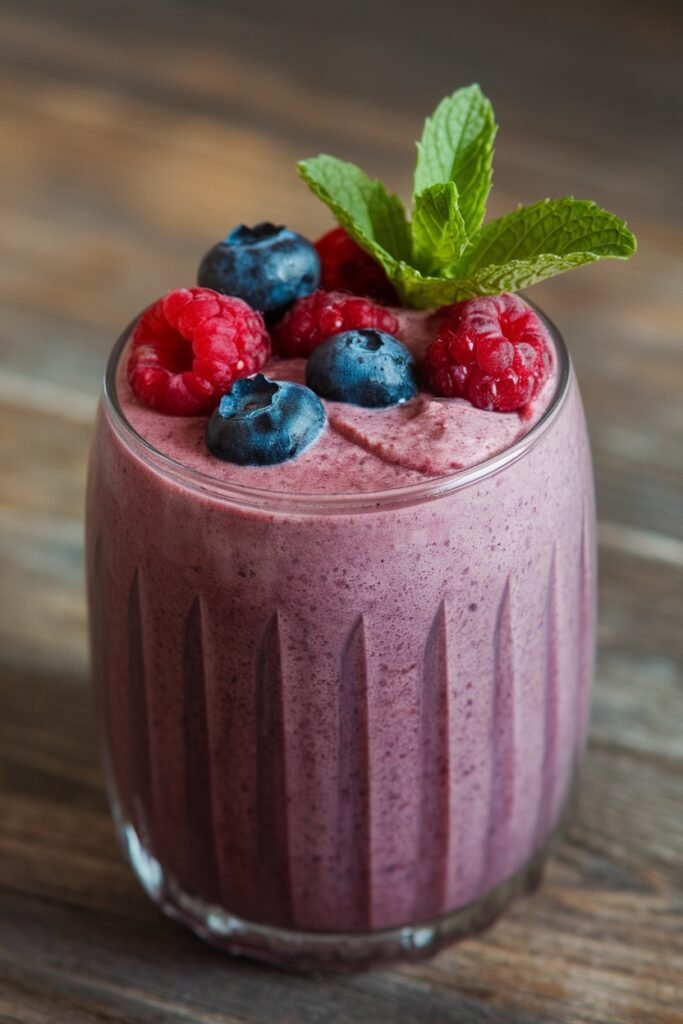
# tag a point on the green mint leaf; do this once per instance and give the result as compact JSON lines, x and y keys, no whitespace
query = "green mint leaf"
{"x":515,"y":275}
{"x":540,"y":241}
{"x":457,"y":145}
{"x":527,"y":246}
{"x":374,"y":218}
{"x":438,"y":229}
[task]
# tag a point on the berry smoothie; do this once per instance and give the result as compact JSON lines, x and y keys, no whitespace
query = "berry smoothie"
{"x":341,"y":562}
{"x":346,"y":693}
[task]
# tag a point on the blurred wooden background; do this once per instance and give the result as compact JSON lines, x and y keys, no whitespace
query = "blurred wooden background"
{"x":134,"y":134}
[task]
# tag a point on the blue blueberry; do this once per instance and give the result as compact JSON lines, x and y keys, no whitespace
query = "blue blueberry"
{"x":260,"y":422}
{"x":363,"y":367}
{"x":269,"y":267}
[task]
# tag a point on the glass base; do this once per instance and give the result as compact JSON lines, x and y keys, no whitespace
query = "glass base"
{"x":302,"y":950}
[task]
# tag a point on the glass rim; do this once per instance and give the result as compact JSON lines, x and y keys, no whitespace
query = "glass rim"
{"x":268,"y":500}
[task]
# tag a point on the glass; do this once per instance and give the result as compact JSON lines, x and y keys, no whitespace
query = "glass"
{"x":342,"y":728}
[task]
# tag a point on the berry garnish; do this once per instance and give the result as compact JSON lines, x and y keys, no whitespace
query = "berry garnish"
{"x":261,"y":422}
{"x":344,"y":266}
{"x":190,"y":346}
{"x":267,"y":266}
{"x":316,"y":318}
{"x":493,"y":351}
{"x":366,"y":367}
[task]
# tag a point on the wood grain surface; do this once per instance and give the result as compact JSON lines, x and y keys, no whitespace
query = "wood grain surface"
{"x":133,"y":135}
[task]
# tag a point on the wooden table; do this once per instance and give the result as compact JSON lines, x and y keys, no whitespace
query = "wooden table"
{"x":134,"y":134}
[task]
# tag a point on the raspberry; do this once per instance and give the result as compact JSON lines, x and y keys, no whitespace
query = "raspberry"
{"x":188,"y":348}
{"x":317,"y":317}
{"x":493,"y":351}
{"x":347,"y":267}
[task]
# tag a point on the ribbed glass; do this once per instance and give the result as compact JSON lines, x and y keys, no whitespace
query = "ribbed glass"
{"x":329,"y":719}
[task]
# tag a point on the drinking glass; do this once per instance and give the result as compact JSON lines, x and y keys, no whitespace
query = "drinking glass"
{"x":342,"y":728}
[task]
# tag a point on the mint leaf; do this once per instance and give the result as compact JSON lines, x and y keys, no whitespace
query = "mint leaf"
{"x":457,"y":145}
{"x":438,"y":229}
{"x":575,"y":229}
{"x":374,"y":218}
{"x":527,"y":246}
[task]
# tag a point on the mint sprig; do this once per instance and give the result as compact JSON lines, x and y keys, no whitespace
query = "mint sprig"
{"x":457,"y":145}
{"x":445,"y":255}
{"x":438,"y":231}
{"x":362,"y":205}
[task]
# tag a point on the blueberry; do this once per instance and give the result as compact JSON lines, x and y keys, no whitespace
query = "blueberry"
{"x":363,"y":367}
{"x":269,"y":267}
{"x":260,"y":422}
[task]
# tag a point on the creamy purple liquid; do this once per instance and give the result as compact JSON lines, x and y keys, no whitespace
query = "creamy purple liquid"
{"x":345,"y":721}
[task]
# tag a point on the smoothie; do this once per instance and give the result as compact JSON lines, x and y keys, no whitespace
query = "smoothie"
{"x":341,"y":565}
{"x":344,"y":717}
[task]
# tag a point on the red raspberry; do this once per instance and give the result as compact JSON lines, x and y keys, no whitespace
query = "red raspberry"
{"x":494,"y":351}
{"x":312,"y":320}
{"x":346,"y":267}
{"x":189,"y":346}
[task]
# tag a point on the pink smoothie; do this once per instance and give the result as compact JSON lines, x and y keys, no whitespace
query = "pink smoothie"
{"x":344,"y":713}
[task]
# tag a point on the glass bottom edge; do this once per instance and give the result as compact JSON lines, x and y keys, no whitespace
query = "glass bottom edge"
{"x":327,"y":951}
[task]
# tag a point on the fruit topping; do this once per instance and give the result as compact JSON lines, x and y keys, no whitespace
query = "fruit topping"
{"x":494,"y":351}
{"x":363,"y":367}
{"x":267,"y":266}
{"x":260,"y":422}
{"x":344,"y":266}
{"x":316,"y":318}
{"x":190,"y":346}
